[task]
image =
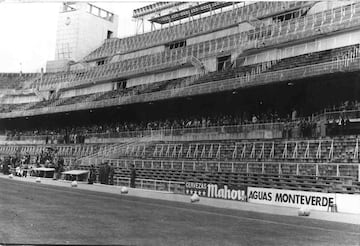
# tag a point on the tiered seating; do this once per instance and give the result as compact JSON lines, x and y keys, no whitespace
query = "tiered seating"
{"x":208,"y":165}
{"x":232,"y":73}
{"x":176,"y":57}
{"x":15,"y":80}
{"x":292,"y":182}
{"x":135,"y":90}
{"x":5,"y":108}
{"x":351,"y":51}
{"x":76,"y":99}
{"x":218,"y":21}
{"x":306,"y":158}
{"x":43,"y":103}
{"x":298,"y":151}
{"x":302,"y":164}
{"x":138,"y":65}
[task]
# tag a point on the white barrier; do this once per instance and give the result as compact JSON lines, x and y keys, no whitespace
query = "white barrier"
{"x":343,"y":203}
{"x":291,"y":198}
{"x":348,"y":203}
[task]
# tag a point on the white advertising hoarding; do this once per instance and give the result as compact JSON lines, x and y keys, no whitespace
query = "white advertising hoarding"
{"x":348,"y":203}
{"x":291,"y":198}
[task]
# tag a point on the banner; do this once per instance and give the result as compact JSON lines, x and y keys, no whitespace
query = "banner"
{"x":291,"y":198}
{"x":219,"y":191}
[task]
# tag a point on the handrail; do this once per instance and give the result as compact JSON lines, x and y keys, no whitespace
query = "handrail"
{"x":267,"y":162}
{"x":169,"y":131}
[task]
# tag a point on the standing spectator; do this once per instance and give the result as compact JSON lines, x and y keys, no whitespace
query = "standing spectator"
{"x":111,"y":174}
{"x":294,"y":115}
{"x":254,"y":119}
{"x":59,"y":167}
{"x":92,"y":175}
{"x":106,"y":172}
{"x":6,"y":164}
{"x":132,"y":177}
{"x":102,"y":173}
{"x":27,"y":158}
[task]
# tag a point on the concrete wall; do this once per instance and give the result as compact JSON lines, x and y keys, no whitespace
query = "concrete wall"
{"x":151,"y":78}
{"x":20,"y":99}
{"x":213,"y":35}
{"x":210,"y":63}
{"x":134,"y":54}
{"x":93,"y":31}
{"x":87,"y":90}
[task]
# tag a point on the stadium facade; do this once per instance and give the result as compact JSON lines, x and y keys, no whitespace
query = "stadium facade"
{"x":228,"y":94}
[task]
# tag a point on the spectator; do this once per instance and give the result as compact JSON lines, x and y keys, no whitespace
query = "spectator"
{"x":111,"y":174}
{"x":132,"y":176}
{"x":6,"y":164}
{"x":106,"y":173}
{"x":254,"y":119}
{"x":102,"y":173}
{"x":92,"y":175}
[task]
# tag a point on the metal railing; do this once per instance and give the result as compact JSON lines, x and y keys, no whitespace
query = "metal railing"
{"x":261,"y":167}
{"x":225,"y":129}
{"x":192,"y":130}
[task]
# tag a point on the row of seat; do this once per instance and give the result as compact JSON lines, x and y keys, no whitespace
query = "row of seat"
{"x":15,"y":80}
{"x":135,"y":90}
{"x":350,"y":51}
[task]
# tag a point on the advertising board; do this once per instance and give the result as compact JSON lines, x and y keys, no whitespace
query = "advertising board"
{"x":291,"y":198}
{"x":220,"y":191}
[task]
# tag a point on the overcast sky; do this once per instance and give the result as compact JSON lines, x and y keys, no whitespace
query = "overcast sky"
{"x":28,"y":31}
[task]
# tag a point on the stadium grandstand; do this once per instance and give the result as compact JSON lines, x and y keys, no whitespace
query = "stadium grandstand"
{"x":242,"y":94}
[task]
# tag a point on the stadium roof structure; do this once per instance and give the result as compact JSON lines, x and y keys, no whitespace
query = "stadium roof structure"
{"x":176,"y":14}
{"x":197,"y":9}
{"x":153,"y":8}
